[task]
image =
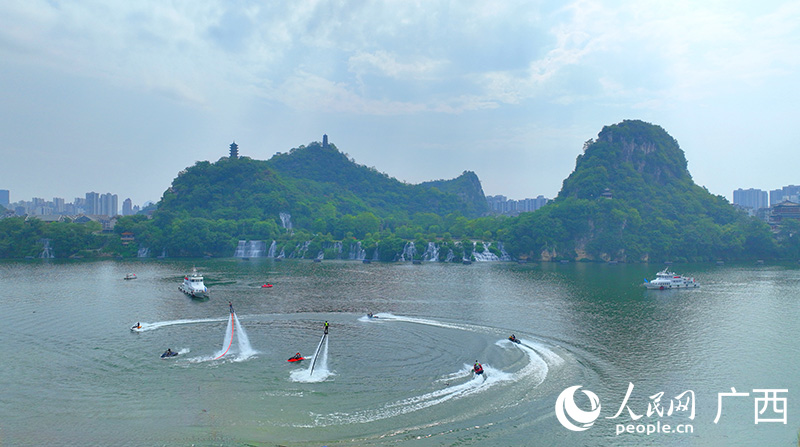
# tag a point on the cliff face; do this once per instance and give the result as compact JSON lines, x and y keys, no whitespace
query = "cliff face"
{"x":631,"y":159}
{"x":467,"y":187}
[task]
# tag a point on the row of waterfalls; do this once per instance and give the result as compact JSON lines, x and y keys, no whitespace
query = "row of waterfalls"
{"x":354,"y":252}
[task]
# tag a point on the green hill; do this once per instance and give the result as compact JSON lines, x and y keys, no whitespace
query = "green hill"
{"x":631,"y":198}
{"x":376,"y":191}
{"x":311,"y":183}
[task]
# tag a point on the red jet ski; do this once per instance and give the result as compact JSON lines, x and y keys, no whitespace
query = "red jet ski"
{"x":296,"y":358}
{"x":266,"y":286}
{"x":478,"y":369}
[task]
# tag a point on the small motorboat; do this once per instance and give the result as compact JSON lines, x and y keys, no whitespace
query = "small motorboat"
{"x":130,"y":276}
{"x":478,"y":369}
{"x":169,"y":353}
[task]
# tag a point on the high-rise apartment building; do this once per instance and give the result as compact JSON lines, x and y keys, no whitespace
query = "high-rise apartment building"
{"x":108,"y":205}
{"x":92,"y":204}
{"x":790,"y":193}
{"x":751,"y":199}
{"x":127,"y":207}
{"x":502,"y":205}
{"x":59,"y":205}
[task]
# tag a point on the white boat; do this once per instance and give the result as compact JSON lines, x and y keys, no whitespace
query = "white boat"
{"x":669,"y":280}
{"x":193,"y":285}
{"x":130,"y":276}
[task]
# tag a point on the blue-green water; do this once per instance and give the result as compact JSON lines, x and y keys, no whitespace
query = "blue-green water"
{"x":74,"y":373}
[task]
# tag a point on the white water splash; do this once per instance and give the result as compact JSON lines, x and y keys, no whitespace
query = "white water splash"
{"x":319,"y":363}
{"x":245,"y":350}
{"x":241,"y":352}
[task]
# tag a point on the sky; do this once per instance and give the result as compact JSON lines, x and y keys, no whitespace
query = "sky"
{"x":119,"y":96}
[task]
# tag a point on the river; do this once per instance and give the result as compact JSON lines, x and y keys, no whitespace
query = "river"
{"x":710,"y":366}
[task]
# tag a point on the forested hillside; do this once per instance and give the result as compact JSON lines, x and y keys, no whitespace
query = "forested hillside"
{"x":631,"y":198}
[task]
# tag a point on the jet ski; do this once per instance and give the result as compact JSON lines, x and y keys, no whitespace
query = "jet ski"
{"x":478,"y":369}
{"x":266,"y":286}
{"x":514,"y":339}
{"x":136,"y":327}
{"x":168,"y":353}
{"x":296,"y":359}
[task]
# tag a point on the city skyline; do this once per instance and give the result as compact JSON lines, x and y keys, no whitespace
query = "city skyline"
{"x":92,"y":203}
{"x":127,"y":95}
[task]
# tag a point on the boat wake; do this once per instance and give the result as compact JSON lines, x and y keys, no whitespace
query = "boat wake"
{"x":469,"y":384}
{"x":391,"y":317}
{"x":160,"y":324}
{"x":530,"y":371}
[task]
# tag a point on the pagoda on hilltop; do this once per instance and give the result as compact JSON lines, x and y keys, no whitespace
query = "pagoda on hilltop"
{"x":234,"y":151}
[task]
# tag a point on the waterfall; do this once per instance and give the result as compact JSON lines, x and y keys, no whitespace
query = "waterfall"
{"x":144,"y":252}
{"x":486,"y":255}
{"x":356,"y":252}
{"x":431,"y":253}
{"x":504,"y":256}
{"x":450,"y":256}
{"x":376,"y":255}
{"x":337,"y":248}
{"x":47,"y":251}
{"x":282,"y":254}
{"x":250,"y":249}
{"x":300,"y":250}
{"x":272,"y":247}
{"x":240,"y":250}
{"x":408,"y":252}
{"x":256,"y":249}
{"x":286,"y":220}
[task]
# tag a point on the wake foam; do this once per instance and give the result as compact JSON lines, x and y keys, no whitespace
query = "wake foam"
{"x":318,"y":370}
{"x":159,"y":324}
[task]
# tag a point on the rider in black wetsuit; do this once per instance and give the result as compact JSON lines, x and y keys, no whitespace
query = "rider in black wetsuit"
{"x":326,"y":327}
{"x":231,"y":306}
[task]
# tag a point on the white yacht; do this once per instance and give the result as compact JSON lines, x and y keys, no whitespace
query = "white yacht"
{"x":193,"y":285}
{"x":669,"y":280}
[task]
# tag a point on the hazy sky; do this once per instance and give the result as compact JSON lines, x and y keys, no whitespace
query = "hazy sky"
{"x":118,"y":96}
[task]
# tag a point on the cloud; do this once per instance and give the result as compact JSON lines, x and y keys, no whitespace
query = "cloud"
{"x":387,"y":64}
